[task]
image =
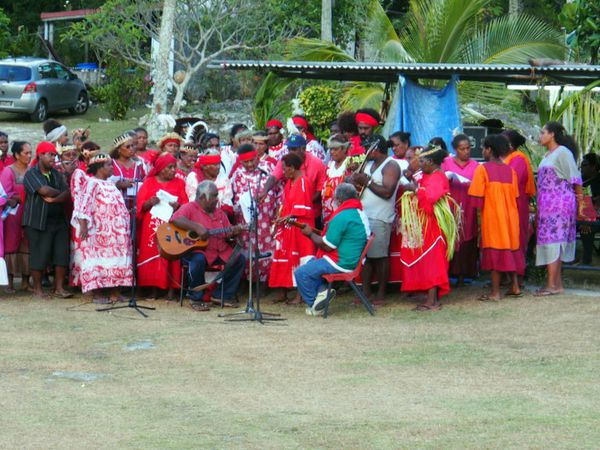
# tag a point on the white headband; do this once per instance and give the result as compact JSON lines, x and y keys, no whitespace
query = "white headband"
{"x":56,"y":133}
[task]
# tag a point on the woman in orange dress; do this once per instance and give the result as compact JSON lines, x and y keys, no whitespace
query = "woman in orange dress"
{"x":496,"y":189}
{"x":522,"y":166}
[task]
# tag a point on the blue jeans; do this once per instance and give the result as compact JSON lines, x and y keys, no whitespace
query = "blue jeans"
{"x":228,"y":285}
{"x":309,"y":278}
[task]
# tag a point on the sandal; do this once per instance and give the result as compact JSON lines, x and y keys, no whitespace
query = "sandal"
{"x":63,"y":294}
{"x":514,"y":294}
{"x":226,"y":303}
{"x":543,"y":292}
{"x":487,"y":298}
{"x":101,"y":301}
{"x":10,"y":291}
{"x":423,"y":307}
{"x":199,"y":306}
{"x":295,"y":301}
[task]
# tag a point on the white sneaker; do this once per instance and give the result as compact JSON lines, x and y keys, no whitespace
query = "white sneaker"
{"x":311,"y":312}
{"x":319,"y":302}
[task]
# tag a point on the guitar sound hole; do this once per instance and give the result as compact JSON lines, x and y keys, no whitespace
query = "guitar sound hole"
{"x":193,"y":235}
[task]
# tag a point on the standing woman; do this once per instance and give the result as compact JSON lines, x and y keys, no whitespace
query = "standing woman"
{"x":170,"y":143}
{"x":429,"y":232}
{"x":128,"y":170}
{"x":210,"y":167}
{"x":559,"y":197}
{"x":188,"y":155}
{"x":464,"y":263}
{"x":142,"y":151}
{"x":5,"y":159}
{"x":16,"y":248}
{"x":77,"y":183}
{"x":292,"y":248}
{"x":103,"y":226}
{"x":495,"y":189}
{"x":337,"y":170}
{"x":153,"y":269}
{"x":522,"y":166}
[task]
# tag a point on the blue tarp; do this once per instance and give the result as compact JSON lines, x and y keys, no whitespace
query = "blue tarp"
{"x":426,"y":112}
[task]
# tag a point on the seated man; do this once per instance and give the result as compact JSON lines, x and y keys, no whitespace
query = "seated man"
{"x":340,"y":248}
{"x":201,"y":216}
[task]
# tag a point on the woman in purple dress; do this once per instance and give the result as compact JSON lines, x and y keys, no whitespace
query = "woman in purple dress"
{"x":559,"y":195}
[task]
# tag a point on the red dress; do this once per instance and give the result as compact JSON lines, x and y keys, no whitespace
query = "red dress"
{"x":427,"y":267}
{"x":154,"y":270}
{"x":292,"y":248}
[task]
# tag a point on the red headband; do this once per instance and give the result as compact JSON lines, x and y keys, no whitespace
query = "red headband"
{"x":274,"y":123}
{"x":366,"y":118}
{"x":160,"y":164}
{"x":206,"y":160}
{"x":300,"y":121}
{"x":248,"y":156}
{"x":45,"y":147}
{"x":168,"y":141}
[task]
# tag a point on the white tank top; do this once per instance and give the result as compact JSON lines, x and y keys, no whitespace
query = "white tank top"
{"x":374,"y":206}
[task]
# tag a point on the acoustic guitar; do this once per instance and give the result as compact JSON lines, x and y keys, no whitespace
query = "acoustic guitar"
{"x":295,"y":223}
{"x":174,"y":242}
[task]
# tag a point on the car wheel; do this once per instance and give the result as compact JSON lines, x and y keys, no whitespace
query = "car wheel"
{"x":40,"y":113}
{"x":82,"y":104}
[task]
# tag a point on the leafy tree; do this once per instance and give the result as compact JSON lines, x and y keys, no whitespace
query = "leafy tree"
{"x":204,"y":30}
{"x":582,"y":18}
{"x":443,"y":31}
{"x":4,"y":34}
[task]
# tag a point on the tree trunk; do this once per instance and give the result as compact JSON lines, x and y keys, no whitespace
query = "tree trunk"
{"x":179,"y":93}
{"x":515,"y":7}
{"x":161,"y":74}
{"x":326,"y":21}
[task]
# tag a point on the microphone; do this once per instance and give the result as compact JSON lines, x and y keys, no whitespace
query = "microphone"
{"x":264,"y":172}
{"x":265,"y":255}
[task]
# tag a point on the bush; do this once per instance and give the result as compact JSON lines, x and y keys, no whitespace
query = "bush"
{"x":126,"y":87}
{"x":321,"y":106}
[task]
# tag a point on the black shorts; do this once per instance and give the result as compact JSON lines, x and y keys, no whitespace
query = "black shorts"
{"x":50,"y":246}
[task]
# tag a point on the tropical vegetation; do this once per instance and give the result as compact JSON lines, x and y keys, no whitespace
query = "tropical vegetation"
{"x":441,"y":31}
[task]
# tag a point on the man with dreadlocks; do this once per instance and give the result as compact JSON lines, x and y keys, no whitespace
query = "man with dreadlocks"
{"x":429,"y":231}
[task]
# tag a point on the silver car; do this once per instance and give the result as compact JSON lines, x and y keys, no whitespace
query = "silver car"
{"x":38,"y":86}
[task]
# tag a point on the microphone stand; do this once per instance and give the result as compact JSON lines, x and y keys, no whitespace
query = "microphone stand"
{"x":254,"y":312}
{"x":132,"y":299}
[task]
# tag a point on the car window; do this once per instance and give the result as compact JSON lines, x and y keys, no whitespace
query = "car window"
{"x":45,"y":71}
{"x":61,"y":72}
{"x":14,"y":73}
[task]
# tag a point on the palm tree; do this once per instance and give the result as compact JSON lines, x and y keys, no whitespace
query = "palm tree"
{"x":439,"y":31}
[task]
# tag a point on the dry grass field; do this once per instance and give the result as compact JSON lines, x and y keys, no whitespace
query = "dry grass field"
{"x":521,"y":373}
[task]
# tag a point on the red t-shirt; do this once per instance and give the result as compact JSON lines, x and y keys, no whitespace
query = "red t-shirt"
{"x":217,"y":245}
{"x":315,"y":173}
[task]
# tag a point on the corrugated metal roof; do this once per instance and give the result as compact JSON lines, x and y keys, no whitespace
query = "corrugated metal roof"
{"x":577,"y":74}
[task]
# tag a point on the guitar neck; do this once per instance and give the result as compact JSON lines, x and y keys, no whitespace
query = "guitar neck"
{"x":219,"y":231}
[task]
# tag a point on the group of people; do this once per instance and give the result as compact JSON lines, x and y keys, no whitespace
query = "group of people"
{"x":426,"y":214}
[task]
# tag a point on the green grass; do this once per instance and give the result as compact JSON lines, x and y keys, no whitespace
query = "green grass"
{"x":517,"y":374}
{"x":103,"y":133}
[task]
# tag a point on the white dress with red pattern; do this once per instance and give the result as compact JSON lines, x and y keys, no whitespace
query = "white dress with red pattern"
{"x":277,"y":151}
{"x":106,"y":252}
{"x":78,"y":183}
{"x":242,"y":182}
{"x":335,"y":176}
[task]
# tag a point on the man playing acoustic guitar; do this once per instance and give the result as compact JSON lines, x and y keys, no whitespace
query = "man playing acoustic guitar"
{"x":201,"y":216}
